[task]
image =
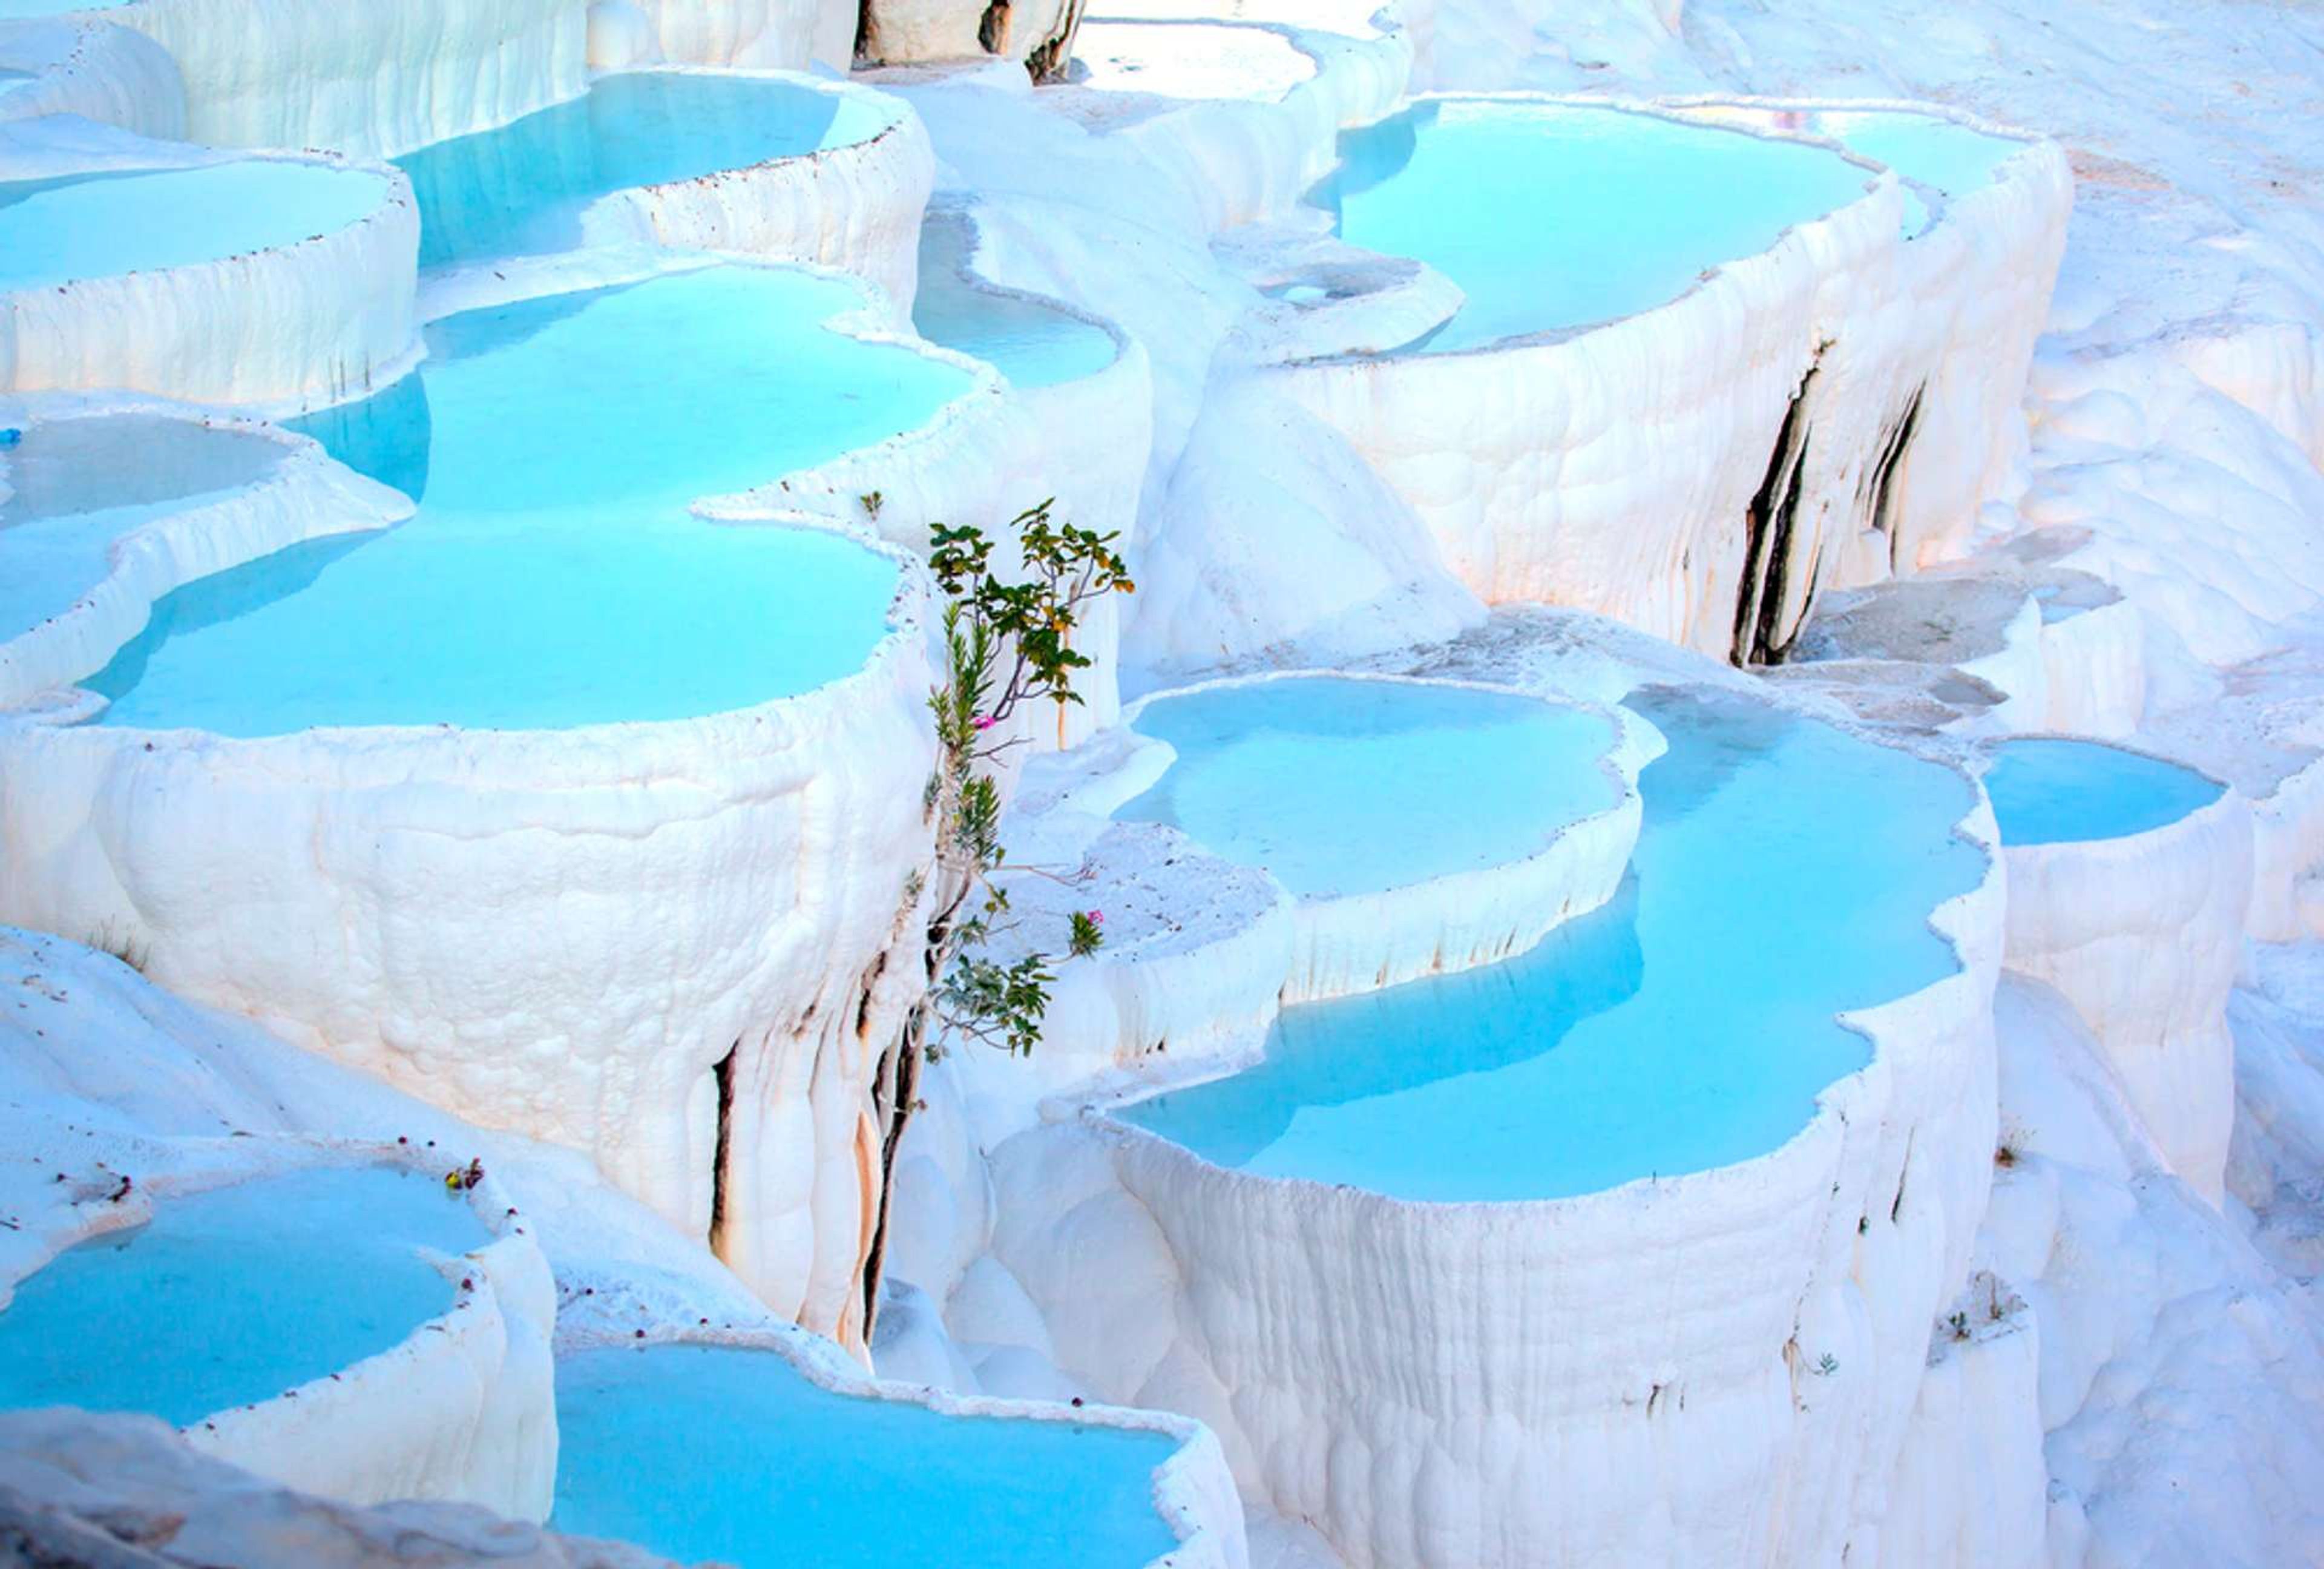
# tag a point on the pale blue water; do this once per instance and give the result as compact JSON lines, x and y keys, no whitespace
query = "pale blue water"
{"x":1031,"y":344}
{"x":2053,"y":791}
{"x":1952,"y":158}
{"x":12,"y":10}
{"x":80,"y":484}
{"x":553,"y":576}
{"x":98,"y":226}
{"x":234,"y":1295}
{"x":1342,"y":787}
{"x":1785,"y":873}
{"x":1553,"y":216}
{"x":717,"y":1453}
{"x":520,"y":189}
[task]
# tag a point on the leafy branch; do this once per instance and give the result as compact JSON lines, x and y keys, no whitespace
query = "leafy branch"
{"x":1006,"y":645}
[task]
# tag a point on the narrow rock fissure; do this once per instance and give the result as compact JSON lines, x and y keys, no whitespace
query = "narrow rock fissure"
{"x":1767,"y":537}
{"x":992,"y":31}
{"x":1883,"y":504}
{"x":723,"y":1075}
{"x":895,"y":1095}
{"x":1904,"y":1170}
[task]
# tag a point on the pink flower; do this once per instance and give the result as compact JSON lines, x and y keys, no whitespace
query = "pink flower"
{"x":984,"y":722}
{"x":1097,"y":918}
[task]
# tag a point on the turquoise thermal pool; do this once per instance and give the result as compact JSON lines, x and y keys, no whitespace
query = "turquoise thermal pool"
{"x":101,"y":226}
{"x":1030,"y":344}
{"x":698,"y":1451}
{"x":1786,"y":872}
{"x":2050,"y":791}
{"x":234,"y":1295}
{"x":520,"y":189}
{"x":1339,"y":787}
{"x":1555,"y":215}
{"x":80,"y":484}
{"x":554,"y":576}
{"x":1943,"y":155}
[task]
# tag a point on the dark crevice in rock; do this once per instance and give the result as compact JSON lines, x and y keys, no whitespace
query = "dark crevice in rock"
{"x":1881,"y":506}
{"x":1050,"y":60}
{"x":723,"y":1075}
{"x":1768,"y":520}
{"x":895,"y":1097}
{"x":1904,"y":1170}
{"x":992,"y":31}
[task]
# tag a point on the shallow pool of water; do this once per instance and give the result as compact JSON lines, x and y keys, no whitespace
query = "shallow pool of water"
{"x":1785,"y":873}
{"x":100,"y":226}
{"x":1553,"y":216}
{"x":719,"y":1453}
{"x":553,"y":576}
{"x":1339,"y":787}
{"x":234,"y":1295}
{"x":520,"y":189}
{"x":1951,"y":158}
{"x":1031,"y":344}
{"x":80,"y":484}
{"x":2050,"y":791}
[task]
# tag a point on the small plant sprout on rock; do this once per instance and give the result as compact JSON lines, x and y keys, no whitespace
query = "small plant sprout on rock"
{"x":1006,"y":645}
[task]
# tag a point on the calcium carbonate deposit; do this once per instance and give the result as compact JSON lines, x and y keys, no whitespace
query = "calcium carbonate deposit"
{"x":1217,"y":784}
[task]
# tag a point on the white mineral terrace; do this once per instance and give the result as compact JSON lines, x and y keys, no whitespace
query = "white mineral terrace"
{"x":1669,"y":914}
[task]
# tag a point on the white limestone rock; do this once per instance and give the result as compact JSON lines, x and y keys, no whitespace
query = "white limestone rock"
{"x":94,"y":70}
{"x":282,"y":329}
{"x":2142,"y":934}
{"x":375,"y":80}
{"x":754,"y":34}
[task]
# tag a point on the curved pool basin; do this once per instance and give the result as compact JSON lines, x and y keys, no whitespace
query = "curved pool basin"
{"x":1032,"y":343}
{"x":1943,"y":155}
{"x":1928,"y":150}
{"x":553,"y":576}
{"x":1339,"y":786}
{"x":1786,"y":872}
{"x":1555,"y":215}
{"x":102,"y":226}
{"x":80,"y":484}
{"x":2057,"y":791}
{"x":726,"y":1452}
{"x":234,"y":1295}
{"x":520,"y":187}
